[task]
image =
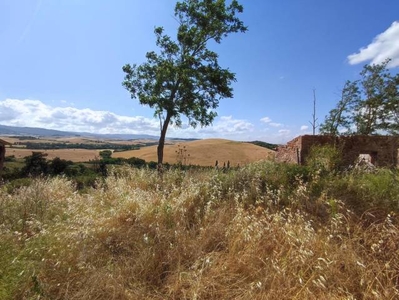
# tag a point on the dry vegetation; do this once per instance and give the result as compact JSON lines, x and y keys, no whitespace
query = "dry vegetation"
{"x":266,"y":231}
{"x":205,"y":152}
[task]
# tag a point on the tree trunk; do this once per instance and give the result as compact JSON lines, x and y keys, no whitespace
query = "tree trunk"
{"x":161,"y":143}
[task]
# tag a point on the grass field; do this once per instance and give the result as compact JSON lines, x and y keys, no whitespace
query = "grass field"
{"x":263,"y":231}
{"x":205,"y":152}
{"x":200,"y":152}
{"x":75,"y":155}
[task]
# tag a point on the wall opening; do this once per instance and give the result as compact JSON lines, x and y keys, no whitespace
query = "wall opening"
{"x":367,"y":158}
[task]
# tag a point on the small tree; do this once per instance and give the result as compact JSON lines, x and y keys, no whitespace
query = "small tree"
{"x":105,"y":154}
{"x":58,"y":166}
{"x":184,"y":77}
{"x":35,"y":164}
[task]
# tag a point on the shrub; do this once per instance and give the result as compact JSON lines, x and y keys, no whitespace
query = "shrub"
{"x":10,"y":158}
{"x":363,"y":191}
{"x":324,"y":159}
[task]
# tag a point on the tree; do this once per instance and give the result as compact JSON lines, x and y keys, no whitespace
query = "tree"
{"x":105,"y":154}
{"x":340,"y":118}
{"x":58,"y":166}
{"x":367,"y":106}
{"x":35,"y":164}
{"x":390,"y":117}
{"x":184,"y":77}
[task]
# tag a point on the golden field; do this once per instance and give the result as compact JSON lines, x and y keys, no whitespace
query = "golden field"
{"x":75,"y":155}
{"x":200,"y":152}
{"x":205,"y":152}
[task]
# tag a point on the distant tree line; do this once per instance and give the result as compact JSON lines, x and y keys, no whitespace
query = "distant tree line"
{"x":24,"y":137}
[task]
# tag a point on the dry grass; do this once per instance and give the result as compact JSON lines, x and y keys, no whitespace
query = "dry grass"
{"x":206,"y":152}
{"x":202,"y":235}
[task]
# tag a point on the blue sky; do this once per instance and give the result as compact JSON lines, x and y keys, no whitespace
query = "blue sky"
{"x":61,"y":63}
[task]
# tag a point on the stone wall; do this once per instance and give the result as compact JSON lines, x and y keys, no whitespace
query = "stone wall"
{"x":290,"y":153}
{"x":382,"y":149}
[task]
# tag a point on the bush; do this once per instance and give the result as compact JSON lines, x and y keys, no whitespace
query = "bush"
{"x":35,"y":165}
{"x":136,"y":162}
{"x":10,"y":158}
{"x":58,"y":166}
{"x":324,"y":159}
{"x":365,"y":191}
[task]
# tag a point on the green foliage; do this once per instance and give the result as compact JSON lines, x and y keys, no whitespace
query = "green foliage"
{"x":136,"y":162}
{"x":367,"y":106}
{"x":10,"y":273}
{"x":363,"y":191}
{"x":184,"y":77}
{"x":9,"y":158}
{"x":340,"y":119}
{"x":105,"y":154}
{"x":57,"y":166}
{"x":12,"y":169}
{"x":35,"y":164}
{"x":152,"y":165}
{"x":265,"y":145}
{"x":324,"y":159}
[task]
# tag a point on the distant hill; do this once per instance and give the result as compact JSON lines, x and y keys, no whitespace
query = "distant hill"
{"x":42,"y":132}
{"x":205,"y":152}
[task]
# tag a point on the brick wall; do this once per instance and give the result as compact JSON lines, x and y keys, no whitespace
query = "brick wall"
{"x":382,"y":149}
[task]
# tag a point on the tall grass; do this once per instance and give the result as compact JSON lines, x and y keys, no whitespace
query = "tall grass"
{"x":266,"y":231}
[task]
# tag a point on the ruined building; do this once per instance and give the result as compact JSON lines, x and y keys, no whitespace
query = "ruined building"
{"x":382,"y":151}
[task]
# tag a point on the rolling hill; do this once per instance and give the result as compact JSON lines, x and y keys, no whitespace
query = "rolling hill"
{"x":205,"y":152}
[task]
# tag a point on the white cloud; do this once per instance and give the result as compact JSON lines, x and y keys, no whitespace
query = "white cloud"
{"x":266,"y":120}
{"x":304,"y":127}
{"x":385,"y":45}
{"x":269,"y":122}
{"x":284,"y":132}
{"x":224,"y":127}
{"x":34,"y":113}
